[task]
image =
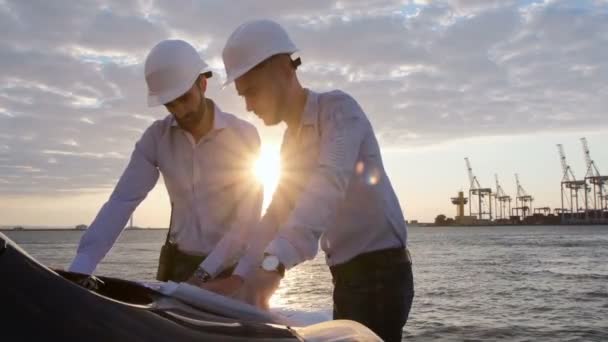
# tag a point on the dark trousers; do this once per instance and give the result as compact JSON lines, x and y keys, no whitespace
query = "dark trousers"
{"x":375,"y":289}
{"x":184,"y":266}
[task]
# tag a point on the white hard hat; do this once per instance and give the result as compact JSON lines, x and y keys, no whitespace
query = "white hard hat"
{"x":252,"y":43}
{"x":171,"y":68}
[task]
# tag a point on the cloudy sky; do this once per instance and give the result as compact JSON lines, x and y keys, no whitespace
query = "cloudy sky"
{"x":501,"y":82}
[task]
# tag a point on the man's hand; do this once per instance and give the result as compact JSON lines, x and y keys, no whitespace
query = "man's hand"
{"x":199,"y":277}
{"x":226,"y":286}
{"x":261,"y":287}
{"x":196,"y":281}
{"x":90,"y":283}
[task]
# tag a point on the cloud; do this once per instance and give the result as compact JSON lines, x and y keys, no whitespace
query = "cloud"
{"x":106,"y":33}
{"x":72,"y":94}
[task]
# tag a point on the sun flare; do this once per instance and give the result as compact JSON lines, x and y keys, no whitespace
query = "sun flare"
{"x":267,"y":170}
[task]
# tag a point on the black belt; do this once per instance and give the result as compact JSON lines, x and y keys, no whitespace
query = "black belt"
{"x":372,"y":260}
{"x":189,"y":258}
{"x":185,"y":264}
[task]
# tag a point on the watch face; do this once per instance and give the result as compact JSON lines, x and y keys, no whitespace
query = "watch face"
{"x":270,"y":263}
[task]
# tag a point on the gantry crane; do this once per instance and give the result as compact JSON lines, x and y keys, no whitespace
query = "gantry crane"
{"x":484,"y":196}
{"x":503,"y":201}
{"x":570,"y":187}
{"x":595,"y":182}
{"x":523,"y":201}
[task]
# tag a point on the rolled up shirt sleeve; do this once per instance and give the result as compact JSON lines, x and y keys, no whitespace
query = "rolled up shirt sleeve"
{"x":315,"y":210}
{"x":138,"y":178}
{"x":250,"y":196}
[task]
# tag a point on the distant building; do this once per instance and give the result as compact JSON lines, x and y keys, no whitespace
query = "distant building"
{"x":466,"y":220}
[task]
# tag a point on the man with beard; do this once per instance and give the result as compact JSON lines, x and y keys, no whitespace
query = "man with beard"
{"x":333,"y":189}
{"x":205,"y":156}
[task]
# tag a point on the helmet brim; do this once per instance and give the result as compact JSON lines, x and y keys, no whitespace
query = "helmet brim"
{"x":155,"y":100}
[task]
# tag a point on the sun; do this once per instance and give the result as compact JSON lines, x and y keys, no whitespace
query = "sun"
{"x":267,"y":170}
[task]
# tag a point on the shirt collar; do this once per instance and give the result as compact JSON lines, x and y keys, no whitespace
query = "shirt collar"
{"x":311,"y":109}
{"x":219,"y":121}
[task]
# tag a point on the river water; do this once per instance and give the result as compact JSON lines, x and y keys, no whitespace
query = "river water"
{"x":525,"y":283}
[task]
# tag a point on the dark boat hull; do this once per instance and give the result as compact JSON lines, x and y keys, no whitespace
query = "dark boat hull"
{"x":38,"y":303}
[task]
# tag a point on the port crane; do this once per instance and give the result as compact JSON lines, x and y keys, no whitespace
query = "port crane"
{"x":502,"y":201}
{"x":594,"y":183}
{"x":570,"y":187}
{"x":483,"y":196}
{"x":523,"y":201}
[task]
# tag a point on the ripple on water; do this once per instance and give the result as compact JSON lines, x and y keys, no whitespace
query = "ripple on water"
{"x":477,"y":283}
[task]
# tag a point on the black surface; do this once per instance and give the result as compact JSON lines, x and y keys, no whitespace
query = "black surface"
{"x":37,"y":303}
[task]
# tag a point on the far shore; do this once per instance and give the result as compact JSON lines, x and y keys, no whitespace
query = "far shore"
{"x":37,"y":229}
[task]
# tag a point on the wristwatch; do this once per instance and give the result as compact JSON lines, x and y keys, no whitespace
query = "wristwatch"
{"x":201,"y":274}
{"x":271,"y":263}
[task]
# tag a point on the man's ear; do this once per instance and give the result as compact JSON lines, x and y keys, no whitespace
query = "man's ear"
{"x":202,"y":83}
{"x":286,"y":65}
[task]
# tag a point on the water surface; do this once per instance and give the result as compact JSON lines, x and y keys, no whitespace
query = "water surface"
{"x":525,"y":283}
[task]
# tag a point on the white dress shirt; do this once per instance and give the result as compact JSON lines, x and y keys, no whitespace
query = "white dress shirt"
{"x":215,"y":197}
{"x":333,"y":188}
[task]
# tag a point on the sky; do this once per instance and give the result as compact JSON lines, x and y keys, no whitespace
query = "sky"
{"x":498,"y":81}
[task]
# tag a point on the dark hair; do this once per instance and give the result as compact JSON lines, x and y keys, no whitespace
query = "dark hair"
{"x":295,"y":63}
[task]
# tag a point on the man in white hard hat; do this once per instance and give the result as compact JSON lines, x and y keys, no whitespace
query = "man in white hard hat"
{"x":205,"y":156}
{"x":333,"y":188}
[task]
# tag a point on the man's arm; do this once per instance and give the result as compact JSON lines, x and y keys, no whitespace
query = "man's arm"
{"x":260,"y":234}
{"x":250,"y":196}
{"x":233,"y":243}
{"x":139,"y":177}
{"x":248,"y":267}
{"x":342,"y":135}
{"x":297,"y":240}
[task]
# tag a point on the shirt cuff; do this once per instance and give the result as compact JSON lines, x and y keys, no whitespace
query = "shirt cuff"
{"x":284,"y":250}
{"x":212,"y":265}
{"x":82,"y":264}
{"x":246,"y":268}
